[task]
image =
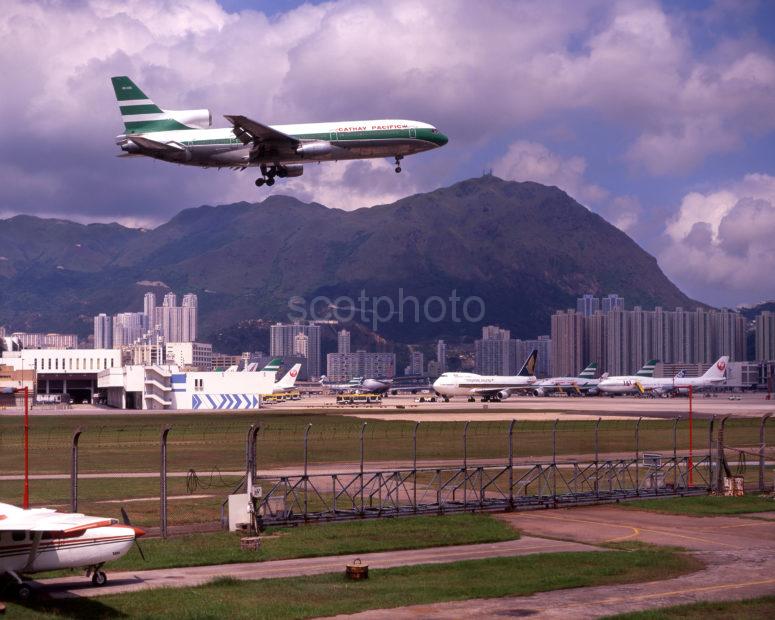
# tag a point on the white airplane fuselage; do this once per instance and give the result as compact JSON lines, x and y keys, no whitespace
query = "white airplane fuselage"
{"x":220,"y":148}
{"x":470,"y":384}
{"x":91,"y":547}
{"x":629,"y":384}
{"x":546,"y":386}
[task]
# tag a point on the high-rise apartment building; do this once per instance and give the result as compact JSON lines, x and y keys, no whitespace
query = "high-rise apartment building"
{"x":103,"y":332}
{"x":33,"y":340}
{"x":441,"y":357}
{"x":612,"y":302}
{"x":587,"y":305}
{"x":343,"y":341}
{"x":495,"y":352}
{"x":128,"y":329}
{"x":765,"y":336}
{"x":282,"y":343}
{"x":620,"y":341}
{"x":416,"y":365}
{"x":346,"y":366}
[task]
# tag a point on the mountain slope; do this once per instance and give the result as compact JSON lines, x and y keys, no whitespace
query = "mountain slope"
{"x":523,"y":248}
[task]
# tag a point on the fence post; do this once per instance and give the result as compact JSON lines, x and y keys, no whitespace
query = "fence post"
{"x":597,"y":457}
{"x":74,"y":471}
{"x":363,"y":430}
{"x":710,"y":452}
{"x":306,"y":461}
{"x":163,"y":482}
{"x":762,"y":445}
{"x":721,"y":457}
{"x":637,"y":456}
{"x":465,"y":464}
{"x":250,"y":472}
{"x":511,"y":465}
{"x":414,"y":465}
{"x":675,"y":453}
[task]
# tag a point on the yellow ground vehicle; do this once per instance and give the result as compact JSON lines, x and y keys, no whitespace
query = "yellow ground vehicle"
{"x":357,"y":398}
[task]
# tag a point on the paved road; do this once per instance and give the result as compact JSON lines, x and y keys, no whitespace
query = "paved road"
{"x":133,"y":581}
{"x":738,"y":552}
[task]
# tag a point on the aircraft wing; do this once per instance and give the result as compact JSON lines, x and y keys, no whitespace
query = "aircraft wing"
{"x":46,"y":520}
{"x":152,"y":145}
{"x":248,"y":131}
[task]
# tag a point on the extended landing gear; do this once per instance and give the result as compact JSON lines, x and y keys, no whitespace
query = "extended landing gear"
{"x":269,"y":174}
{"x":22,"y":590}
{"x":398,"y":163}
{"x":98,"y":576}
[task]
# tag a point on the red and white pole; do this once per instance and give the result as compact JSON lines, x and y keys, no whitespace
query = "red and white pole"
{"x":26,"y":447}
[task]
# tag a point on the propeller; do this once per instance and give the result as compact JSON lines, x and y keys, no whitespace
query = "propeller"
{"x":138,"y":532}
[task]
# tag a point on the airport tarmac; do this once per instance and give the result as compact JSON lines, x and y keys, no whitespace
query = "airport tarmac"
{"x":406,"y":407}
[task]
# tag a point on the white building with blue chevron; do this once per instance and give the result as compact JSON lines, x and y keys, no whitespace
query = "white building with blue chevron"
{"x":166,"y":387}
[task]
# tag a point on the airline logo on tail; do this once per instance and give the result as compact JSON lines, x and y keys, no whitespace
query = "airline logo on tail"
{"x":648,"y":369}
{"x":721,"y":365}
{"x":529,"y":367}
{"x":589,"y":371}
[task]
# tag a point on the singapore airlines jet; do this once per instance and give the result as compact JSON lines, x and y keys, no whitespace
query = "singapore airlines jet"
{"x":185,"y":137}
{"x":489,"y":388}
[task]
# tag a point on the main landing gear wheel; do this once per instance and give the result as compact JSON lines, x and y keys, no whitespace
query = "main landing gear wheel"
{"x":99,"y":578}
{"x":260,"y":182}
{"x":23,"y":592}
{"x":270,"y":181}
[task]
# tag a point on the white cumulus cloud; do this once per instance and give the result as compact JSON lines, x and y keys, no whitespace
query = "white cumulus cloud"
{"x":722,"y":240}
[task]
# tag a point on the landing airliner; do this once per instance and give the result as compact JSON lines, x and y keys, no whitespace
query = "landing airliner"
{"x":185,"y":137}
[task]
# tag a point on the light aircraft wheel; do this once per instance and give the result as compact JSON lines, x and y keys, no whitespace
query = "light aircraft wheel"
{"x":99,"y":578}
{"x":260,"y":182}
{"x":24,"y":592}
{"x":398,"y":169}
{"x":270,"y":181}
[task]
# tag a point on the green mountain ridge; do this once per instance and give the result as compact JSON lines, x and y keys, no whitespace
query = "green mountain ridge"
{"x":523,"y":248}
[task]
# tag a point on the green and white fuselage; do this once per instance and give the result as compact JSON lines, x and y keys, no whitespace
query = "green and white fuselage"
{"x":184,"y":137}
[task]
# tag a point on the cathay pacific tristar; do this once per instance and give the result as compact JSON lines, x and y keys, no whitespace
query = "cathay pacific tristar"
{"x":489,"y":388}
{"x":185,"y":137}
{"x":584,"y":383}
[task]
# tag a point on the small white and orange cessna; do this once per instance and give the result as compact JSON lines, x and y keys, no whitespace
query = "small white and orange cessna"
{"x":42,"y":539}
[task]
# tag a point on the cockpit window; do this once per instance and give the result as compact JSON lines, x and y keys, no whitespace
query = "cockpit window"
{"x":434,"y":130}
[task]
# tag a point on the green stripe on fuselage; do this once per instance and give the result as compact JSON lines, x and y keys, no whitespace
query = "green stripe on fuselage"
{"x":148,"y":108}
{"x":167,"y":124}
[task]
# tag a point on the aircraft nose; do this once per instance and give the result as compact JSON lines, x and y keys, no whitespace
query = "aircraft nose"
{"x":442,"y":139}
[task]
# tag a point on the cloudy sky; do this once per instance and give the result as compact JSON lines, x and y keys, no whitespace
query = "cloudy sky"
{"x":660,"y":116}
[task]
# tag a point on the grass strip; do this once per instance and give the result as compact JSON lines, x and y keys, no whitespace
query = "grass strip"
{"x":308,"y":541}
{"x":752,"y":609}
{"x":705,"y":505}
{"x":323,"y":595}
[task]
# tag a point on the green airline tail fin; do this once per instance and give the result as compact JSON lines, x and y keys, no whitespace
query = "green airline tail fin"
{"x":274,"y":365}
{"x":648,"y":369}
{"x":139,"y":113}
{"x":589,"y":371}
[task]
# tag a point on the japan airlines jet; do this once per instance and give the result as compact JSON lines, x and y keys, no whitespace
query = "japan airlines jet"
{"x":185,"y":137}
{"x":41,"y":539}
{"x":628,"y":384}
{"x":716,"y":375}
{"x":585,"y":382}
{"x":287,"y":383}
{"x":489,"y":388}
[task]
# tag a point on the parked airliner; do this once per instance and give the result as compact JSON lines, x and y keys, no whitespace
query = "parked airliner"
{"x":186,"y":137}
{"x":489,"y":388}
{"x":716,"y":375}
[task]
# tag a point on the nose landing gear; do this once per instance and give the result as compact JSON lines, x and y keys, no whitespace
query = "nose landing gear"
{"x":398,"y":163}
